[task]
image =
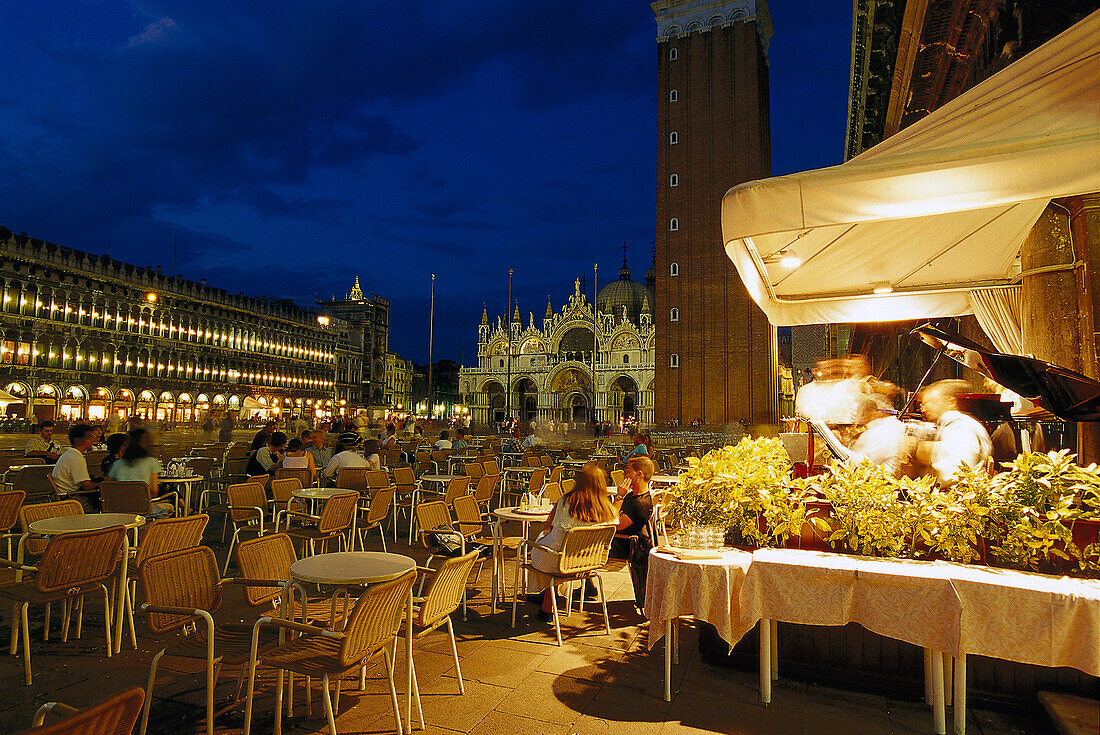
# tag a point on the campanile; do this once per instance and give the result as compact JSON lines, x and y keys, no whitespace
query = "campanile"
{"x":715,"y":351}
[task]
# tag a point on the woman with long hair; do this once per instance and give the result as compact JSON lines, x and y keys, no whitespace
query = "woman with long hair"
{"x":587,"y":504}
{"x":137,"y":464}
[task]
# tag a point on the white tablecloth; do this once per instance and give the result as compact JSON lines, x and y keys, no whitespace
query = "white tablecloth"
{"x":704,"y":588}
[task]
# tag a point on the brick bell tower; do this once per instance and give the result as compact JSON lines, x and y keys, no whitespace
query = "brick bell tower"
{"x":715,"y":350}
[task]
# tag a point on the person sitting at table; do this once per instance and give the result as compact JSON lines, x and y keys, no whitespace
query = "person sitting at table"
{"x":262,"y":436}
{"x":70,"y":474}
{"x":315,"y":445}
{"x":642,"y":448}
{"x":43,"y":445}
{"x":344,"y":456}
{"x":266,"y":459}
{"x":444,"y":441}
{"x":136,"y":464}
{"x":370,"y":452}
{"x":459,"y":444}
{"x":532,"y":439}
{"x":115,"y":444}
{"x":587,"y":504}
{"x":390,"y":442}
{"x":298,"y":457}
{"x":637,"y":504}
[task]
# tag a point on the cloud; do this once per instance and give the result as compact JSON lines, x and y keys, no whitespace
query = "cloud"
{"x":152,"y":33}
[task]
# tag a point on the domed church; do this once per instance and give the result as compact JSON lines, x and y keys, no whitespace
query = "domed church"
{"x":549,"y":369}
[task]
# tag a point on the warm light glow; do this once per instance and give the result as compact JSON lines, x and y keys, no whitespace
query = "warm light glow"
{"x":790,"y":262}
{"x":151,"y":298}
{"x":884,"y":288}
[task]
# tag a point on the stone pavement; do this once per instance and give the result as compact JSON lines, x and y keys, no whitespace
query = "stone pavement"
{"x":516,"y":681}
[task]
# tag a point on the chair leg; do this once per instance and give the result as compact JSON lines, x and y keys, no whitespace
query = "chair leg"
{"x":382,"y":532}
{"x":27,"y":642}
{"x":107,"y":620}
{"x":15,"y":629}
{"x":393,"y":690}
{"x":557,"y":621}
{"x":80,"y":619}
{"x":66,"y":618}
{"x":454,"y":650}
{"x":279,"y":701}
{"x":229,"y":553}
{"x":46,"y":630}
{"x":149,"y":695}
{"x":334,"y":706}
{"x":603,"y":599}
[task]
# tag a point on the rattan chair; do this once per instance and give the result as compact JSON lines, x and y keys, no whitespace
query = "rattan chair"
{"x":264,"y":565}
{"x":538,"y":478}
{"x":474,"y":470}
{"x":28,"y":514}
{"x":247,"y":506}
{"x":282,"y":493}
{"x":408,"y":491}
{"x":555,"y":474}
{"x":486,"y":488}
{"x":113,"y":716}
{"x":432,"y":518}
{"x":35,"y":482}
{"x":132,"y":496}
{"x":377,"y":480}
{"x":552,"y":492}
{"x":182,"y":590}
{"x":72,"y":565}
{"x":616,"y":477}
{"x":377,"y":513}
{"x":583,"y":553}
{"x":491,"y":466}
{"x":335,"y":522}
{"x":353,"y":478}
{"x":302,"y":474}
{"x":446,"y":591}
{"x":371,"y":626}
{"x":567,"y":486}
{"x":10,"y":502}
{"x":456,"y":486}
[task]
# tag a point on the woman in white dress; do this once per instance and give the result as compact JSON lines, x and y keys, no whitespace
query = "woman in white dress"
{"x":587,"y":504}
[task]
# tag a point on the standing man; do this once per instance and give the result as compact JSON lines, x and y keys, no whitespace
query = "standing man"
{"x":70,"y":474}
{"x":43,"y":445}
{"x":260,"y":440}
{"x":959,"y":438}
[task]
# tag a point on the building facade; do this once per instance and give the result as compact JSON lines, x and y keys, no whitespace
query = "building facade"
{"x":716,"y":361}
{"x":86,"y":336}
{"x":547,"y":373}
{"x":368,"y":319}
{"x":399,"y":381}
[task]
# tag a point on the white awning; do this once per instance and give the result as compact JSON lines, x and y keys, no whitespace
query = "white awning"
{"x":936,"y":210}
{"x":251,"y":404}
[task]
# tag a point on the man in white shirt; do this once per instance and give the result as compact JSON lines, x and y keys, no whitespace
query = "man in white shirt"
{"x":959,"y":438}
{"x":444,"y":441}
{"x":345,"y":456}
{"x":43,"y":445}
{"x":70,"y":474}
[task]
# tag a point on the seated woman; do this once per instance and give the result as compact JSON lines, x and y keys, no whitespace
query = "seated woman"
{"x":370,"y":452}
{"x":115,"y":445}
{"x":637,"y":505}
{"x":586,"y":505}
{"x":136,"y":464}
{"x":298,"y":458}
{"x":344,"y":455}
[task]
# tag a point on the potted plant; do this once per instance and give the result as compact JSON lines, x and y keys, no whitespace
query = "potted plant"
{"x":867,"y":515}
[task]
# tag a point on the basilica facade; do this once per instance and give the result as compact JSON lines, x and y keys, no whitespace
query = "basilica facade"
{"x":581,"y":365}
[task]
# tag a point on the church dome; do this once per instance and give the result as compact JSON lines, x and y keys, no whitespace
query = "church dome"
{"x":623,"y":292}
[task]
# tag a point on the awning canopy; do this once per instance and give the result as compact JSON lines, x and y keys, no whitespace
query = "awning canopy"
{"x":936,"y":210}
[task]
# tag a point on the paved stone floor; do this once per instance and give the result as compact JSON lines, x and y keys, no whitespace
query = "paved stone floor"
{"x":516,"y":681}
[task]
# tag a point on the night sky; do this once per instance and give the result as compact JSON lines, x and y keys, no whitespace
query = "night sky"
{"x":287,"y":147}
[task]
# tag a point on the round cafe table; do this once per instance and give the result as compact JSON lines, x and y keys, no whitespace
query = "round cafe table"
{"x":344,"y":568}
{"x":187,"y":482}
{"x":511,"y":514}
{"x":95,"y":522}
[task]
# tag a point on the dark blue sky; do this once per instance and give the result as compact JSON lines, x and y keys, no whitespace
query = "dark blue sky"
{"x":288,"y":147}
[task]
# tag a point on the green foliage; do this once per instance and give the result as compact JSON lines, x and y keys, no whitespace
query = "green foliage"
{"x":948,"y":521}
{"x":868,"y":516}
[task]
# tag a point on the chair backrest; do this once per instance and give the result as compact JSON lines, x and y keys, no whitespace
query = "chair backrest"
{"x":75,"y":559}
{"x":555,"y":474}
{"x":170,"y":534}
{"x":282,"y":489}
{"x":486,"y":486}
{"x":537,"y":478}
{"x":445,"y":589}
{"x":474,"y":470}
{"x":377,"y":479}
{"x":243,"y":497}
{"x":375,"y":619}
{"x":552,"y":492}
{"x":353,"y":478}
{"x":392,"y":457}
{"x":131,"y":496}
{"x":339,"y":513}
{"x":457,"y":486}
{"x":117,"y":714}
{"x":430,"y":516}
{"x":567,"y":486}
{"x":265,"y":557}
{"x":585,"y":548}
{"x":380,"y":506}
{"x":94,"y":460}
{"x":35,"y":482}
{"x":301,"y":474}
{"x":237,"y":451}
{"x":203,"y":466}
{"x":236,"y":467}
{"x":9,"y":508}
{"x":185,"y":578}
{"x":467,"y":514}
{"x":405,"y":479}
{"x":547,"y":461}
{"x":28,"y":514}
{"x":439,"y":455}
{"x":7,"y":463}
{"x":491,"y":466}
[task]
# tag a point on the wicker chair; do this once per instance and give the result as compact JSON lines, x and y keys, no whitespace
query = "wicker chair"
{"x":555,"y":474}
{"x":552,"y":492}
{"x":133,"y":497}
{"x":492,"y":467}
{"x":28,"y":514}
{"x":353,"y":478}
{"x":538,"y":478}
{"x":446,"y":591}
{"x":408,"y":491}
{"x":72,"y":565}
{"x":474,"y":470}
{"x":10,"y":503}
{"x":547,"y":461}
{"x":486,"y":488}
{"x":616,"y":477}
{"x":35,"y":482}
{"x":336,"y":521}
{"x":433,"y":517}
{"x":247,"y":506}
{"x":567,"y":486}
{"x":456,"y":486}
{"x":116,"y":714}
{"x":423,"y":462}
{"x":182,"y":590}
{"x":264,"y":565}
{"x":583,"y":553}
{"x":302,"y":474}
{"x":377,"y":480}
{"x":371,"y":626}
{"x":377,"y":513}
{"x":282,"y":492}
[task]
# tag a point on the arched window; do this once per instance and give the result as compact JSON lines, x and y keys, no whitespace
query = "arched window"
{"x":673,"y":180}
{"x":673,"y":269}
{"x":626,"y":359}
{"x":672,"y":54}
{"x":673,"y":138}
{"x":673,"y":225}
{"x":674,"y":314}
{"x":674,"y":360}
{"x":502,"y":363}
{"x":673,"y":96}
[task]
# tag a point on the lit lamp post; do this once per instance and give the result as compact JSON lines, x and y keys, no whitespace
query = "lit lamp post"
{"x":595,"y":326}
